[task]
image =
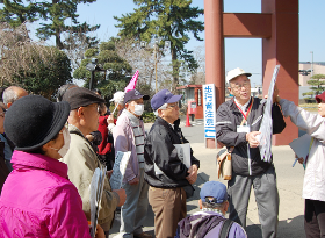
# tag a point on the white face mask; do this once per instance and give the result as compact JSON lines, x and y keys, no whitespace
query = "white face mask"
{"x":138,"y":110}
{"x":67,"y":139}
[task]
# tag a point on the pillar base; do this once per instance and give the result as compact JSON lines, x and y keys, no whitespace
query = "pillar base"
{"x":210,"y":143}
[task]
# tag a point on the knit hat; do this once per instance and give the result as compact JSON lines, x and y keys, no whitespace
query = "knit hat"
{"x":81,"y":97}
{"x":214,"y":189}
{"x":33,"y":121}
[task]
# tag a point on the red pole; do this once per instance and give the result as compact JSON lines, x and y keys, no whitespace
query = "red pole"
{"x":188,"y":120}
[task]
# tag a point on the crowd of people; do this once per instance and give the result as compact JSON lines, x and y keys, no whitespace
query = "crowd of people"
{"x":49,"y":152}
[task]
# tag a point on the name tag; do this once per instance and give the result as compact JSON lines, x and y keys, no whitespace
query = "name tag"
{"x":244,"y":128}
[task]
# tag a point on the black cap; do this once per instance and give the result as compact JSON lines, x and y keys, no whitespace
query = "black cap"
{"x":134,"y":95}
{"x":33,"y":121}
{"x":81,"y":97}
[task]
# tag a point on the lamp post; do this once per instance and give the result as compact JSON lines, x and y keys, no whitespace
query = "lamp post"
{"x":93,"y":67}
{"x":311,"y":64}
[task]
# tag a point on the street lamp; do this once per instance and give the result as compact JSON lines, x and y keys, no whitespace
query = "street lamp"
{"x":93,"y":67}
{"x":311,"y":63}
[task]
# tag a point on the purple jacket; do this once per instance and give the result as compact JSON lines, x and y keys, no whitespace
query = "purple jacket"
{"x":192,"y":226}
{"x":38,"y":200}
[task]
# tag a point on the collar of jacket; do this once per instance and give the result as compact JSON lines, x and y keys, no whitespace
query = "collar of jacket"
{"x":31,"y":161}
{"x":165,"y":123}
{"x":234,"y":107}
{"x":73,"y":130}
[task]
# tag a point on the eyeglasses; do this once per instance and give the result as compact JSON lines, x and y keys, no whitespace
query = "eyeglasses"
{"x":173,"y":106}
{"x":96,"y":106}
{"x":245,"y":85}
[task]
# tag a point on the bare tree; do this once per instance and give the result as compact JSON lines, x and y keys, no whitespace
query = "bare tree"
{"x":198,"y":77}
{"x":19,"y":54}
{"x":142,"y":57}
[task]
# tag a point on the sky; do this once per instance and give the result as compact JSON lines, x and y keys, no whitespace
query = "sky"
{"x":239,"y":52}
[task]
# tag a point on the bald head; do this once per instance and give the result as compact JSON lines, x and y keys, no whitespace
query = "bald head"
{"x":12,"y":94}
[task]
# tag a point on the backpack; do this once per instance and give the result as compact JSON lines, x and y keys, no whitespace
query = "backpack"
{"x":224,"y":232}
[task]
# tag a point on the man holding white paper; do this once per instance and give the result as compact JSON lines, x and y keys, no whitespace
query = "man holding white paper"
{"x":170,"y":167}
{"x":237,"y":125}
{"x":314,"y":180}
{"x":129,"y":135}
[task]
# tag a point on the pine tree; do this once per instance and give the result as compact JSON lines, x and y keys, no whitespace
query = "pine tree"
{"x":57,"y":12}
{"x":316,"y":85}
{"x":53,"y":15}
{"x":118,"y":70}
{"x":16,"y":12}
{"x":170,"y":19}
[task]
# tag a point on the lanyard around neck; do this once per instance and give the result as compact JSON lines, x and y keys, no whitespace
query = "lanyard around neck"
{"x":248,"y":110}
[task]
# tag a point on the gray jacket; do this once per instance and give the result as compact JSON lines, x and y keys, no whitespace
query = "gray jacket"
{"x":227,"y":119}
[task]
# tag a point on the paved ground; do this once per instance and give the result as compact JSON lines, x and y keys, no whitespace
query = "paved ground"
{"x":289,"y":181}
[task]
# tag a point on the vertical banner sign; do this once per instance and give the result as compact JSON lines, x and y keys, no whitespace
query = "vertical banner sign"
{"x":209,"y":110}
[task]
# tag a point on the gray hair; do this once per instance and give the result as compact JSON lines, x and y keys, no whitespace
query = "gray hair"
{"x":214,"y":206}
{"x":155,"y":112}
{"x":9,"y":95}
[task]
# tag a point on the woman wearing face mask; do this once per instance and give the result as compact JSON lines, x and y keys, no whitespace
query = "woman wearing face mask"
{"x":37,"y":199}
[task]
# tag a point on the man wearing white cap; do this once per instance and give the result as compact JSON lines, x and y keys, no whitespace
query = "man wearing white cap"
{"x":237,"y":125}
{"x":119,"y":105}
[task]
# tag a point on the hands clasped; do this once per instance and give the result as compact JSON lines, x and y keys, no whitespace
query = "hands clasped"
{"x":192,"y":170}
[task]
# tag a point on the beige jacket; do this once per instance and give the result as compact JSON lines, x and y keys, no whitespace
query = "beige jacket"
{"x":82,"y":161}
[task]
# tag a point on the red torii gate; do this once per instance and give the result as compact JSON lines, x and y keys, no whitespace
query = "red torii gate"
{"x":277,"y":25}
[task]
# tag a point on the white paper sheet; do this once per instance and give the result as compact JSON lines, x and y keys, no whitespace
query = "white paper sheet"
{"x":184,"y":153}
{"x":121,"y":163}
{"x":266,"y":128}
{"x":94,"y":189}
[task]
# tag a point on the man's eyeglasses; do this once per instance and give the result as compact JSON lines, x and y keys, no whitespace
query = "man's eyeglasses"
{"x":97,"y":107}
{"x":173,"y":106}
{"x":245,"y":85}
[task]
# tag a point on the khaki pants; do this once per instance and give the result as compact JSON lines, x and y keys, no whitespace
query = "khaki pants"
{"x":169,"y":207}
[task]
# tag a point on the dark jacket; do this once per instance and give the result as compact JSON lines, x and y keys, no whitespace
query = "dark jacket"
{"x":4,"y":172}
{"x":159,"y":149}
{"x":227,"y":119}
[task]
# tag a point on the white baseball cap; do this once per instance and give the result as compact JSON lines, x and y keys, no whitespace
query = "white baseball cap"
{"x":235,"y":73}
{"x":118,"y":97}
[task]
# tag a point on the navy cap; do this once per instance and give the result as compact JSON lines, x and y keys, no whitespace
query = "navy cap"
{"x":162,"y":97}
{"x":214,"y":189}
{"x":134,"y":95}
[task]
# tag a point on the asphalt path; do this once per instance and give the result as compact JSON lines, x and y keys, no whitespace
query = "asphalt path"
{"x":289,"y":183}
